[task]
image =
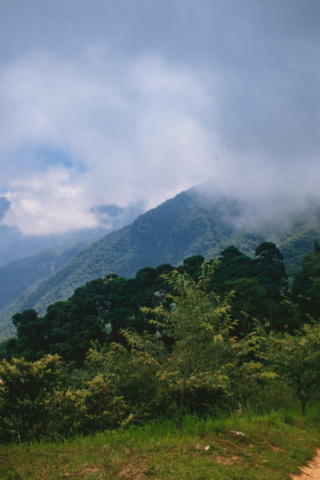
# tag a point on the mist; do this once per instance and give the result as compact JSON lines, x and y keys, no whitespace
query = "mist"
{"x":131,"y":104}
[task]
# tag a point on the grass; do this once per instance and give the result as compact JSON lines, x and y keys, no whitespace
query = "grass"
{"x":273,"y":447}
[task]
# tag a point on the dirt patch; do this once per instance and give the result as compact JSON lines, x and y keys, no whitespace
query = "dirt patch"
{"x":274,"y":448}
{"x":80,"y":473}
{"x":310,"y":471}
{"x":131,"y":471}
{"x":226,"y":460}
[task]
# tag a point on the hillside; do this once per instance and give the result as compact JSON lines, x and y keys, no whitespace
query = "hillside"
{"x":206,"y":449}
{"x":19,"y":275}
{"x":189,"y":224}
{"x":15,"y":245}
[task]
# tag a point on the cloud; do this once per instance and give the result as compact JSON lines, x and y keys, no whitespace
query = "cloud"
{"x":49,"y":202}
{"x":124,"y":101}
{"x":106,"y":134}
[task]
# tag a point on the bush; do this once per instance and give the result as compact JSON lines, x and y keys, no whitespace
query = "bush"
{"x":33,"y":404}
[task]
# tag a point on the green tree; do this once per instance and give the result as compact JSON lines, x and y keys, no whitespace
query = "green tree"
{"x":30,"y":330}
{"x":306,"y":285}
{"x":34,"y":403}
{"x":268,"y":267}
{"x":199,"y":324}
{"x":192,"y":265}
{"x":134,"y":372}
{"x":296,"y":359}
{"x":234,"y":265}
{"x":25,"y":390}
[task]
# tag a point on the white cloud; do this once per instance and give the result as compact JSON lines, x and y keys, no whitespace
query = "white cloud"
{"x":127,"y":130}
{"x":49,"y":202}
{"x":100,"y":128}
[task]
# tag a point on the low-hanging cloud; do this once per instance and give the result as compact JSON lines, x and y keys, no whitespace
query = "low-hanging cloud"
{"x":108,"y":135}
{"x":141,"y":105}
{"x":53,"y":201}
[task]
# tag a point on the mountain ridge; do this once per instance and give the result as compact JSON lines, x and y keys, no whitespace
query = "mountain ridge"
{"x":191,"y":223}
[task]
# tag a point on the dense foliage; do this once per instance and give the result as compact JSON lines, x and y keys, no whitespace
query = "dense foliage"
{"x":306,"y":285}
{"x":199,"y":338}
{"x":104,"y":307}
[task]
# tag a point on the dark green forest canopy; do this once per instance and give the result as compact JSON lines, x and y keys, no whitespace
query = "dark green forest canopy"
{"x":103,"y":307}
{"x":306,"y":285}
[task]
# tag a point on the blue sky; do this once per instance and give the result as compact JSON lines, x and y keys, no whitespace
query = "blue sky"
{"x":112,"y":102}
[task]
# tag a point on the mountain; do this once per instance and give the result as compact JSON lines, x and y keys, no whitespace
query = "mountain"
{"x":14,"y":245}
{"x":18,"y":276}
{"x":194,"y":222}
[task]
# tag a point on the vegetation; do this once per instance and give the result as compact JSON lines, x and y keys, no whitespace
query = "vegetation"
{"x":306,"y":286}
{"x":189,"y":224}
{"x":170,"y":340}
{"x":19,"y":275}
{"x":202,"y":365}
{"x":255,"y":289}
{"x":271,"y":449}
{"x":296,"y":358}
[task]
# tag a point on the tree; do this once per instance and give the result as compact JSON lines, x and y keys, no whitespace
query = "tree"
{"x":235,"y":264}
{"x":30,"y":329}
{"x":248,"y":304}
{"x":25,"y":390}
{"x":192,"y":265}
{"x":306,"y":285}
{"x":296,"y":359}
{"x":268,"y":267}
{"x":34,"y":405}
{"x":199,"y":324}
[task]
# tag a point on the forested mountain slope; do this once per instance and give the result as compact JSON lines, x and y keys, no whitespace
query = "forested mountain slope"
{"x":19,"y":275}
{"x":15,"y":245}
{"x":189,"y":224}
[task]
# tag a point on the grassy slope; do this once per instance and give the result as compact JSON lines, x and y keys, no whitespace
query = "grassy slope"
{"x":270,"y":449}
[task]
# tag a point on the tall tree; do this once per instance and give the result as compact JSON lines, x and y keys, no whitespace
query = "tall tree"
{"x":268,"y":267}
{"x":306,"y":285}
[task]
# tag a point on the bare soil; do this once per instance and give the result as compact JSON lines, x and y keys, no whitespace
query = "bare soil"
{"x":310,"y":471}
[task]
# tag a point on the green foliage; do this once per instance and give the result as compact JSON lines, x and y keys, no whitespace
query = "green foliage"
{"x":259,"y":286}
{"x":306,"y":285}
{"x":34,"y":404}
{"x":134,"y":370}
{"x":234,"y":265}
{"x":25,"y":390}
{"x":167,"y":341}
{"x":197,"y":322}
{"x":296,"y":359}
{"x":268,"y":266}
{"x":106,"y":306}
{"x":193,"y":359}
{"x":94,"y":408}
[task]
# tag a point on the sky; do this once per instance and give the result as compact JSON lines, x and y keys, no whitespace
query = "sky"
{"x":120,"y":102}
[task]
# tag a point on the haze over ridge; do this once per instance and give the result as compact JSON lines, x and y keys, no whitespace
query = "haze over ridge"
{"x":116,"y":103}
{"x":191,"y":223}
